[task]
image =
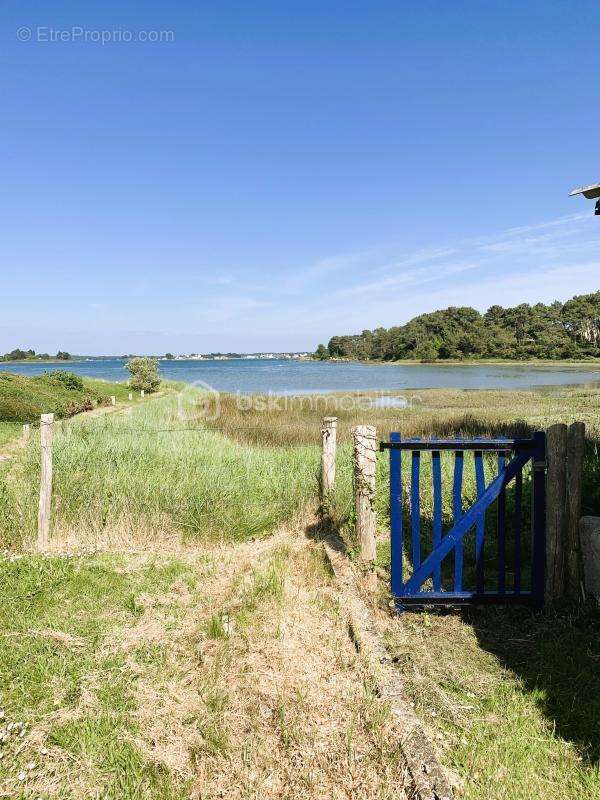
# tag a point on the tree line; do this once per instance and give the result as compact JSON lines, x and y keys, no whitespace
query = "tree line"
{"x":30,"y":355}
{"x":555,"y":331}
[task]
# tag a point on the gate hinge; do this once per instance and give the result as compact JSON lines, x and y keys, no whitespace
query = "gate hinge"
{"x":540,"y":465}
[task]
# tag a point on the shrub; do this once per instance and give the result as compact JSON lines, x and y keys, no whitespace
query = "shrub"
{"x":68,"y":379}
{"x":144,"y":374}
{"x":24,"y":399}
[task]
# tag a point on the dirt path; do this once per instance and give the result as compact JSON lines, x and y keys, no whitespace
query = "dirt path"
{"x":271,"y":699}
{"x":241,"y":677}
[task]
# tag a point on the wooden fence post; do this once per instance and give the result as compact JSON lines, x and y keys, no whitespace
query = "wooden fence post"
{"x":26,"y":432}
{"x":46,"y":430}
{"x":365,"y":452}
{"x":328,"y":450}
{"x":556,"y":485}
{"x":130,"y":396}
{"x":113,"y":400}
{"x":575,"y":452}
{"x":142,"y":393}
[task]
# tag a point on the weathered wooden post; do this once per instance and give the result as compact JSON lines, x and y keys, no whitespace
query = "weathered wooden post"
{"x":556,"y":486}
{"x":130,"y":396}
{"x":26,"y":432}
{"x":46,"y":431}
{"x":575,"y":453}
{"x":365,"y":452}
{"x":142,"y":393}
{"x":328,"y":451}
{"x":113,"y":400}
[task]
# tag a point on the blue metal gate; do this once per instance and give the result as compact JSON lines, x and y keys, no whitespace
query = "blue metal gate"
{"x":496,"y":557}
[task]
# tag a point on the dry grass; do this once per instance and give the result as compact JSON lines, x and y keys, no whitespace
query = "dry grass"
{"x":226,"y":672}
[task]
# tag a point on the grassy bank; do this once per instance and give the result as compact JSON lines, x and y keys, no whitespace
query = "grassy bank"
{"x":23,"y":399}
{"x":148,"y":473}
{"x":9,"y":431}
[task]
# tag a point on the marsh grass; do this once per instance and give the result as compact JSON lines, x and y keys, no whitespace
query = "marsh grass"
{"x":273,"y":420}
{"x":167,"y":476}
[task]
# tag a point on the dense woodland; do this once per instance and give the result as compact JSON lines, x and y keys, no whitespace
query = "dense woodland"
{"x":559,"y":330}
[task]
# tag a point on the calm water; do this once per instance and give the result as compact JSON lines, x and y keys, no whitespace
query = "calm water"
{"x":292,"y":377}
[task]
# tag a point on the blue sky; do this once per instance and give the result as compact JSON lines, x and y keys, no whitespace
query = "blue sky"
{"x":281,"y":172}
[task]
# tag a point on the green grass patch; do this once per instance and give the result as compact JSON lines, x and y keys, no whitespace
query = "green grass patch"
{"x":63,"y":678}
{"x":9,"y":431}
{"x":514,"y":695}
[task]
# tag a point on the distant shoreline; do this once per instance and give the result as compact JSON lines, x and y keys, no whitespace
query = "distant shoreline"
{"x":471,"y":362}
{"x":450,"y":362}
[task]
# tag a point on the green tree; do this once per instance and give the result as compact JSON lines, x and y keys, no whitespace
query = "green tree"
{"x":322,"y":352}
{"x":169,"y":356}
{"x":62,"y":355}
{"x":425,"y":351}
{"x":144,"y":374}
{"x":17,"y":355}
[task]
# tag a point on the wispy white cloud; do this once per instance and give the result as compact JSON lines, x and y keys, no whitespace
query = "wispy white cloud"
{"x":415,"y":277}
{"x":544,"y":262}
{"x":509,"y":253}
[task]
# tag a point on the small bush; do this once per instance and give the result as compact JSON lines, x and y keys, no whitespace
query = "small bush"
{"x":144,"y":374}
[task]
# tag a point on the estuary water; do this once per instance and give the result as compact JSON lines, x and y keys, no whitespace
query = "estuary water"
{"x":299,"y":377}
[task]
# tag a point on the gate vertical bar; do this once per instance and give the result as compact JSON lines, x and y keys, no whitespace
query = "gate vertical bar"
{"x":457,"y":512}
{"x":396,"y":532}
{"x":415,"y":509}
{"x":539,"y":517}
{"x":518,"y":521}
{"x":480,"y":530}
{"x":501,"y":529}
{"x":436,"y":475}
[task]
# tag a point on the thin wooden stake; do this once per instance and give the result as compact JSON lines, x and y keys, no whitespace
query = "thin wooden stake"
{"x":26,"y":432}
{"x":113,"y":400}
{"x":130,"y":396}
{"x":142,"y":393}
{"x":575,"y":451}
{"x":46,"y":431}
{"x":556,"y":484}
{"x":365,"y":449}
{"x":328,"y":450}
